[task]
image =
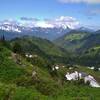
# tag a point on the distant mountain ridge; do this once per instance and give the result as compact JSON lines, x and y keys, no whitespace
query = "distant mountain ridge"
{"x":77,"y":40}
{"x":46,"y":33}
{"x":50,"y":33}
{"x":29,"y":44}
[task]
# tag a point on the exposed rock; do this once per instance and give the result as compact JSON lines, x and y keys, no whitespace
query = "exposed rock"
{"x":34,"y":73}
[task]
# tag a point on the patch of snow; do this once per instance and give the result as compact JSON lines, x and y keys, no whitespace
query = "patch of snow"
{"x":92,"y":68}
{"x":72,"y":76}
{"x":70,"y":67}
{"x":30,"y":56}
{"x":76,"y":75}
{"x":93,"y":82}
{"x":26,"y":55}
{"x":63,"y":66}
{"x":56,"y":67}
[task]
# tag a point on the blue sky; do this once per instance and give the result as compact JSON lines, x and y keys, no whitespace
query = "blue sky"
{"x":87,"y":12}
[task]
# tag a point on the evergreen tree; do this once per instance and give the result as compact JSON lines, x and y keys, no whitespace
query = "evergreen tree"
{"x":17,"y":48}
{"x":2,"y":39}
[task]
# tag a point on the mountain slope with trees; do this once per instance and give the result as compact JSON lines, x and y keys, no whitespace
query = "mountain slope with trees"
{"x":24,"y":77}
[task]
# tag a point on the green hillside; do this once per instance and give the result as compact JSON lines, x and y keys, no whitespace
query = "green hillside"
{"x":23,"y":78}
{"x":92,"y":41}
{"x":79,"y":41}
{"x":17,"y":81}
{"x":43,"y":44}
{"x":72,"y":37}
{"x":72,"y":40}
{"x":84,"y":45}
{"x":43,"y":48}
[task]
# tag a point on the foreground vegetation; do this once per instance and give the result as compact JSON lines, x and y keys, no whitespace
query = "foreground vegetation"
{"x":23,"y":78}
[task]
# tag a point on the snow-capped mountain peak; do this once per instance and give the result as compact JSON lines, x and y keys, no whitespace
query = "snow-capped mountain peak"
{"x":10,"y":26}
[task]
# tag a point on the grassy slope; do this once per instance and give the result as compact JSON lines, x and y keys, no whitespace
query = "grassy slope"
{"x":43,"y":44}
{"x":16,"y":82}
{"x":12,"y":73}
{"x":45,"y":49}
{"x":72,"y":37}
{"x":72,"y":41}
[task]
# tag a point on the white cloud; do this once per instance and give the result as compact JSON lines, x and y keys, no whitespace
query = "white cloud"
{"x":43,"y":24}
{"x":80,"y":1}
{"x":63,"y":21}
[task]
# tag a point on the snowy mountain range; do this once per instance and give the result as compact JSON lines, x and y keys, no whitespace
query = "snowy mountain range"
{"x":11,"y":25}
{"x":43,"y":32}
{"x":50,"y":31}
